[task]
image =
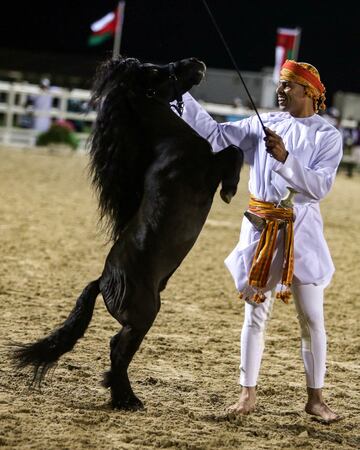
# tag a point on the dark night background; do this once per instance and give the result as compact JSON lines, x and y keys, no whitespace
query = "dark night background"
{"x":51,"y":37}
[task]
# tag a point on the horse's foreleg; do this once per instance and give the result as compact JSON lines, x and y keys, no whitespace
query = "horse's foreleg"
{"x":230,"y":161}
{"x":136,"y":320}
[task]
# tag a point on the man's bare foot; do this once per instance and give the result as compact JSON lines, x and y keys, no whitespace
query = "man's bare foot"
{"x":246,"y":403}
{"x":323,"y":411}
{"x":317,"y":407}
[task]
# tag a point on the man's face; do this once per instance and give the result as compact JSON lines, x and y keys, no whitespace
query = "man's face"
{"x":291,"y":96}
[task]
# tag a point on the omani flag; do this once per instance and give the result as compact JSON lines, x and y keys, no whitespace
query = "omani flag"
{"x":287,"y":46}
{"x":103,"y":29}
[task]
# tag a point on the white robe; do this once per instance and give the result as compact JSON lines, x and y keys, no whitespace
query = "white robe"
{"x":42,"y":108}
{"x":315,"y":151}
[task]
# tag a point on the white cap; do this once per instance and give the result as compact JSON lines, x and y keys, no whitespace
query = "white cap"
{"x":45,"y":82}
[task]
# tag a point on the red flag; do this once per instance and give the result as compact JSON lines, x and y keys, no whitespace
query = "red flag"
{"x":287,"y":46}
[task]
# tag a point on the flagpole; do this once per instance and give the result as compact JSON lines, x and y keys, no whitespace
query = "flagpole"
{"x":118,"y":30}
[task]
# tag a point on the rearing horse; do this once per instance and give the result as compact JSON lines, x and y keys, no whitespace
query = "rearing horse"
{"x":156,"y":179}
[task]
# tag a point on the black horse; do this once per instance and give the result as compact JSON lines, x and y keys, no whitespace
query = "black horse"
{"x":156,"y":179}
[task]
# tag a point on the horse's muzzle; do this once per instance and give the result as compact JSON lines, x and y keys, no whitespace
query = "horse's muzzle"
{"x":199,"y":70}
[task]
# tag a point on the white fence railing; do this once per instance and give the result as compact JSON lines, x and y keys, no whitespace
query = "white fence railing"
{"x":13,"y":107}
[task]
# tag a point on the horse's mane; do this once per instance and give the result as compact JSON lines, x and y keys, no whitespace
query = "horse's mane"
{"x":118,"y":152}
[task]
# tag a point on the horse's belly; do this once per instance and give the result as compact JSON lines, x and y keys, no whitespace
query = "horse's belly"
{"x":161,"y":237}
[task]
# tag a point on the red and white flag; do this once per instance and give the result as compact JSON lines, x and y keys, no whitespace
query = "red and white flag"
{"x":103,"y":29}
{"x":287,"y":47}
{"x":108,"y":26}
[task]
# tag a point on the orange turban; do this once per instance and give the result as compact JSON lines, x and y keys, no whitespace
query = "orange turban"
{"x":308,"y":76}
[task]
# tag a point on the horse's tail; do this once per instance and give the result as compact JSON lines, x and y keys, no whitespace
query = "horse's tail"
{"x":44,"y":353}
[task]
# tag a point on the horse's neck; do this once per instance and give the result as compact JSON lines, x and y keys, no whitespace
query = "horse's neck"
{"x":157,"y":117}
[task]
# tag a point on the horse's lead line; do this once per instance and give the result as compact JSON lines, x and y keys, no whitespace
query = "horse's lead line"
{"x":233,"y":61}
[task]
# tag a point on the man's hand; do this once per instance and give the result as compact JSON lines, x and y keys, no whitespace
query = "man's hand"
{"x":275,"y":146}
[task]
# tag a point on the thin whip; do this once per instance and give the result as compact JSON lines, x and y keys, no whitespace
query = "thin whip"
{"x":233,"y":61}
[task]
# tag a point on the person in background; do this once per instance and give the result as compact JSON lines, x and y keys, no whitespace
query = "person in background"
{"x":41,"y":105}
{"x":280,"y":245}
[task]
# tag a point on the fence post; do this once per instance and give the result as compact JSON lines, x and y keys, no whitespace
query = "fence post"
{"x":63,"y":104}
{"x":9,"y":114}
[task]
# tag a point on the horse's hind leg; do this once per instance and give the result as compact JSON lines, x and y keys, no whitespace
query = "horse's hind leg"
{"x":123,"y":346}
{"x":136,"y":320}
{"x":229,"y":161}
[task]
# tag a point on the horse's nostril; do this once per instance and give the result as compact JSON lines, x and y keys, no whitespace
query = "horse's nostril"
{"x":202,"y":68}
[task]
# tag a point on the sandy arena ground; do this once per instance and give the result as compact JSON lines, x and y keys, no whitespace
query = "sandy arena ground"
{"x":187,"y":368}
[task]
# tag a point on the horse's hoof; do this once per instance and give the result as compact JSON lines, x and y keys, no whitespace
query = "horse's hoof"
{"x":131,"y":403}
{"x":226,"y":196}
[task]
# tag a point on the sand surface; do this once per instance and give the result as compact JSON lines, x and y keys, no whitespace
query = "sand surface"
{"x":186,"y":371}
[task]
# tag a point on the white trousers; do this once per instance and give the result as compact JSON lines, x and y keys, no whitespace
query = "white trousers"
{"x":309,"y":301}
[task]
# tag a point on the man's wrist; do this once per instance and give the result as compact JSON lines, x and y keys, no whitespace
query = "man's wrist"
{"x":286,"y":155}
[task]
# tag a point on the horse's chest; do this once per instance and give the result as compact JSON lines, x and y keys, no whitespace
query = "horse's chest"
{"x":181,"y":170}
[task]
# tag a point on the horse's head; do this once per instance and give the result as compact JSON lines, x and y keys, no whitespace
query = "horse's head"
{"x":128,"y":76}
{"x":169,"y":82}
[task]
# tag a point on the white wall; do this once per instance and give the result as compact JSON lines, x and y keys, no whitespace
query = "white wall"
{"x":348,"y":103}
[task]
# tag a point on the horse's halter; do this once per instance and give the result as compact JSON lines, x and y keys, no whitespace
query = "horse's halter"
{"x":178,"y":97}
{"x":179,"y":106}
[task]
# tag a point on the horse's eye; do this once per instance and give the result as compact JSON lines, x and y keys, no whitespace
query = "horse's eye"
{"x":150,"y":70}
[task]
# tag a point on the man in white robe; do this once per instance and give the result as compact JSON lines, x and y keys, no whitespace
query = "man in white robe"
{"x":300,"y":150}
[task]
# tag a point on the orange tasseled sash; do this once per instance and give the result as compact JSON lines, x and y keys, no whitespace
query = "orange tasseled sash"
{"x":274,"y":216}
